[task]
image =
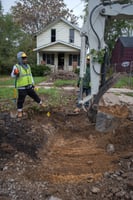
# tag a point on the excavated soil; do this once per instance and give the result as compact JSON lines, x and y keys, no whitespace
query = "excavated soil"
{"x":53,"y":155}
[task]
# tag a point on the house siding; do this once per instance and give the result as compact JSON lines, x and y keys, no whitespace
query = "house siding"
{"x":62,"y":34}
{"x":61,"y":46}
{"x":121,"y":54}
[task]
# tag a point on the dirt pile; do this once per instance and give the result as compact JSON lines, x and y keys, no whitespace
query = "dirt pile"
{"x":64,"y":157}
{"x":64,"y":75}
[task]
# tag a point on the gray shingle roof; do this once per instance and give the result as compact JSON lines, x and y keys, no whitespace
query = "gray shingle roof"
{"x":127,"y":41}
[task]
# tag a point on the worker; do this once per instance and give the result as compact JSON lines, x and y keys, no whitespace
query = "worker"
{"x":86,"y":85}
{"x":24,"y":82}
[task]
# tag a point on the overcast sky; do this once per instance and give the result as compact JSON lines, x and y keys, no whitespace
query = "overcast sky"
{"x":75,"y":5}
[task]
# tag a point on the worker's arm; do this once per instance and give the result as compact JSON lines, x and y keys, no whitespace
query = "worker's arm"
{"x":14,"y":72}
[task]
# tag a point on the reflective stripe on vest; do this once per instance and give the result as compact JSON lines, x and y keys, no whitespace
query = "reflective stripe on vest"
{"x":25,"y":76}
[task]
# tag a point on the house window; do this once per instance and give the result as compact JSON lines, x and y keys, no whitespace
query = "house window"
{"x":48,"y":58}
{"x":74,"y":58}
{"x":53,"y":35}
{"x":71,"y":35}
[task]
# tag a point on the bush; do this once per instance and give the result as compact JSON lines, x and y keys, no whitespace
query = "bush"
{"x":40,"y":70}
{"x":5,"y":70}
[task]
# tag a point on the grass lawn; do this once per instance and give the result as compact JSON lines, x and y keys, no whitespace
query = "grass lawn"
{"x":7,"y":80}
{"x":7,"y":90}
{"x":125,"y":81}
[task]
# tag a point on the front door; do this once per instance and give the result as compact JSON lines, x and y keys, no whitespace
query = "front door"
{"x":61,"y":61}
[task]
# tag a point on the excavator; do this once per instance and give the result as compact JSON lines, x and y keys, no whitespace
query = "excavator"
{"x":92,"y":38}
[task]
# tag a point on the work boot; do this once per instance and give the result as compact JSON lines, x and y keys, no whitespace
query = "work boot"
{"x":43,"y":105}
{"x":20,"y":114}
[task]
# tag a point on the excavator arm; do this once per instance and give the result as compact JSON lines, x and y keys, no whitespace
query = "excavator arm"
{"x":92,"y":38}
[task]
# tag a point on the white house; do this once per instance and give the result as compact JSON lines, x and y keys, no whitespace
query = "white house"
{"x":58,"y":45}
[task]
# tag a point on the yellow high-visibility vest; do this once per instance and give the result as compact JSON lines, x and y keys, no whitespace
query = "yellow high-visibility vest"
{"x":25,"y":76}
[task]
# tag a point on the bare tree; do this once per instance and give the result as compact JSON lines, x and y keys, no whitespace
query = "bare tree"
{"x":34,"y":15}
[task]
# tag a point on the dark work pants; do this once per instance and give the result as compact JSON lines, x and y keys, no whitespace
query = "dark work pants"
{"x":22,"y":93}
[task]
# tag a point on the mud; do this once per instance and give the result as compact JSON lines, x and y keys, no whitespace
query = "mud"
{"x":61,"y":156}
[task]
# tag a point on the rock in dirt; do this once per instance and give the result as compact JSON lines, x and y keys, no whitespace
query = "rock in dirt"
{"x":106,"y":122}
{"x":95,"y":190}
{"x":110,"y":149}
{"x":53,"y":198}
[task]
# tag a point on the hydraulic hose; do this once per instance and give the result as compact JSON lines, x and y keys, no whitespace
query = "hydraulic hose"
{"x":99,"y":43}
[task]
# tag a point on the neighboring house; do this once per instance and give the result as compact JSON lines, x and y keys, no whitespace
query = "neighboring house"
{"x":122,"y":55}
{"x":58,"y":45}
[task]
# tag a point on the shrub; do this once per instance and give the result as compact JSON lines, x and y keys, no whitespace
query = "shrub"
{"x":40,"y":70}
{"x":5,"y":70}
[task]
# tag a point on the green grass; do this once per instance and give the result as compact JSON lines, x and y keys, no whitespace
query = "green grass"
{"x":7,"y":90}
{"x":50,"y":92}
{"x":7,"y":93}
{"x":7,"y":80}
{"x":124,"y":82}
{"x":130,"y":94}
{"x":39,"y":79}
{"x":60,"y":83}
{"x":53,"y":95}
{"x":4,"y":81}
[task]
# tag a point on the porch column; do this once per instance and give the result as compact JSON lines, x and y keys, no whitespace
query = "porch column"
{"x":56,"y":61}
{"x":38,"y":58}
{"x":65,"y":61}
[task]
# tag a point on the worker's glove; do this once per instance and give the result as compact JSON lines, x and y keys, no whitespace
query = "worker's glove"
{"x":35,"y":88}
{"x":16,"y":72}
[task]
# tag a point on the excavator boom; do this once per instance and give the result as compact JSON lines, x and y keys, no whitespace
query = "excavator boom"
{"x":92,"y":38}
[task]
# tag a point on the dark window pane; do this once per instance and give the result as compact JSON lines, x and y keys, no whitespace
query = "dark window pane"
{"x":74,"y":58}
{"x":71,"y":35}
{"x":53,"y":35}
{"x":49,"y":59}
{"x":44,"y":57}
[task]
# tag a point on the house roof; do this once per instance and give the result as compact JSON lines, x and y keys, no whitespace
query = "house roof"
{"x":57,"y":42}
{"x":55,"y":22}
{"x":127,"y":41}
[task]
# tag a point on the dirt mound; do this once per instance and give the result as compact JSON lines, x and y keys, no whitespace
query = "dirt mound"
{"x":64,"y":157}
{"x":120,"y":111}
{"x":65,"y":75}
